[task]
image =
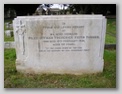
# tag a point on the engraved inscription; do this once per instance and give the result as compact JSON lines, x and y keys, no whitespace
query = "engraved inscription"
{"x":63,"y":40}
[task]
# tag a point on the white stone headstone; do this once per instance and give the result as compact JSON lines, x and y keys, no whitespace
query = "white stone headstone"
{"x":9,"y":44}
{"x":9,"y":33}
{"x":68,"y":44}
{"x":7,"y":25}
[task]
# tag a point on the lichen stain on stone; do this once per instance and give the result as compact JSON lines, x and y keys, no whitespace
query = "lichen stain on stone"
{"x":30,"y":71}
{"x":41,"y":30}
{"x":38,"y":29}
{"x":19,"y":63}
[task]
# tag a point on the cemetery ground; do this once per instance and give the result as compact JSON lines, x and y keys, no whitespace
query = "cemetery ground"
{"x":106,"y":79}
{"x":14,"y":79}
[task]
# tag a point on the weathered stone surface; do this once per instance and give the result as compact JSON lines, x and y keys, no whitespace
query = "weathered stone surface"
{"x":72,"y":44}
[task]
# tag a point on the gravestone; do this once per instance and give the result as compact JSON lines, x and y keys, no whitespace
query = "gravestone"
{"x":9,"y":44}
{"x":9,"y":33}
{"x":9,"y":25}
{"x":68,"y":44}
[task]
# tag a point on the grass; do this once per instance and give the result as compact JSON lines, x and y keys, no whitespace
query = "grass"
{"x":110,"y":39}
{"x":111,"y":26}
{"x":8,"y":38}
{"x":111,"y":31}
{"x":14,"y":79}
